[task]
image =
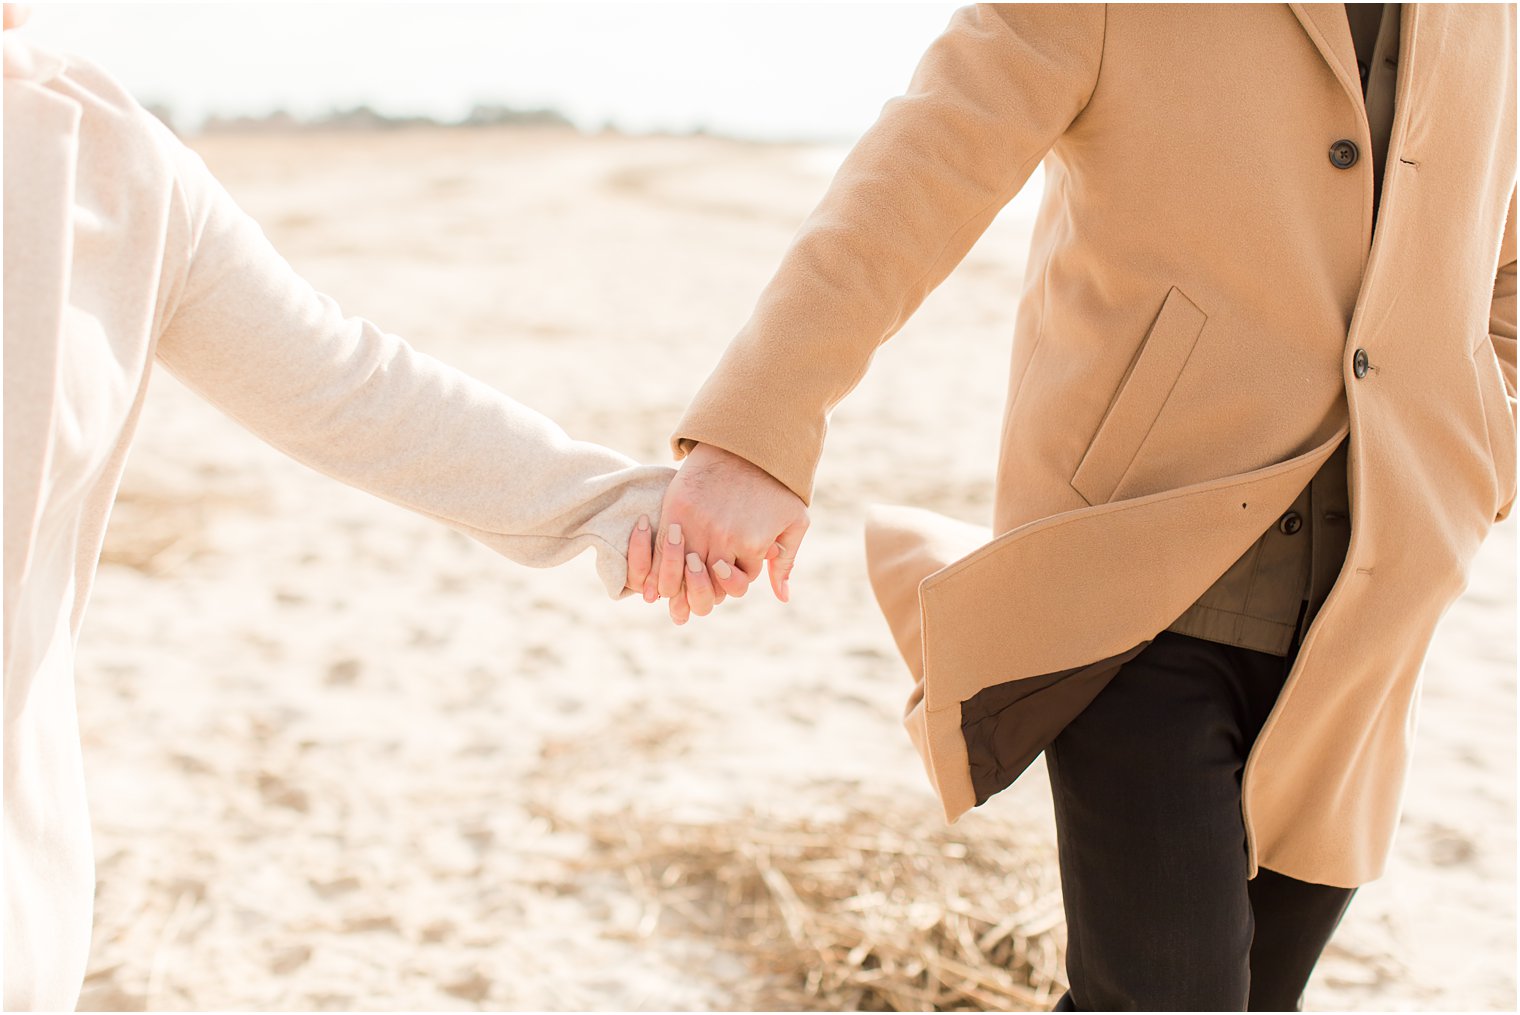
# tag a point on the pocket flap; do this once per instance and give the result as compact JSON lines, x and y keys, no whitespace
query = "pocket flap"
{"x":1141,"y":396}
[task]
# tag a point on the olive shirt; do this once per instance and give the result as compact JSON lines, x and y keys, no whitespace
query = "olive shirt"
{"x":1273,"y":591}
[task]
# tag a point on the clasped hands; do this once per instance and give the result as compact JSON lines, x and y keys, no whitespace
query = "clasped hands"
{"x":722,"y":522}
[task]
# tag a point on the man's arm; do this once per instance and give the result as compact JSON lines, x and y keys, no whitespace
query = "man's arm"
{"x":987,"y":102}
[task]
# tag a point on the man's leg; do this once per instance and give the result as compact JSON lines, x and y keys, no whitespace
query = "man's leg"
{"x":1146,"y":784}
{"x":1294,"y":921}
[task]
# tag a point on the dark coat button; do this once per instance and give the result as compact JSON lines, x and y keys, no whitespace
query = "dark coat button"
{"x":1343,"y":154}
{"x":1290,"y":523}
{"x":1359,"y":363}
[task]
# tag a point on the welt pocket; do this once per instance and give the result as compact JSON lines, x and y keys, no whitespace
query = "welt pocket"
{"x":1141,"y":396}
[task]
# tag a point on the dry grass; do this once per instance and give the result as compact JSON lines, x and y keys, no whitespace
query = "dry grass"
{"x":880,"y":910}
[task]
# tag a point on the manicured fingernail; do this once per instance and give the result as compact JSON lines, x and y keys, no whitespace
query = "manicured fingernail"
{"x":694,"y":563}
{"x":643,"y":523}
{"x":673,"y":534}
{"x":722,"y":570}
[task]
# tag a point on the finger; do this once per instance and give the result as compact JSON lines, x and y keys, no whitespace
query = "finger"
{"x":652,"y":579}
{"x":699,"y":589}
{"x":775,"y":559}
{"x":750,"y":566}
{"x":672,"y":561}
{"x":781,"y":565}
{"x":640,"y":553}
{"x":680,"y":609}
{"x":729,"y":579}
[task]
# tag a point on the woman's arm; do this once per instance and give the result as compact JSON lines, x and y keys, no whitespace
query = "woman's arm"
{"x":337,"y":393}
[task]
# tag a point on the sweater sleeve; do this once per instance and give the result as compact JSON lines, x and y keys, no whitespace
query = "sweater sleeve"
{"x":987,"y":102}
{"x":352,"y":401}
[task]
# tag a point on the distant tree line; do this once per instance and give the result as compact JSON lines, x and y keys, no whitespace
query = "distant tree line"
{"x":365,"y":118}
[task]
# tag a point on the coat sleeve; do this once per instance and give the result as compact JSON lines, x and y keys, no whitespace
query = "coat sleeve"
{"x":342,"y":396}
{"x":987,"y":102}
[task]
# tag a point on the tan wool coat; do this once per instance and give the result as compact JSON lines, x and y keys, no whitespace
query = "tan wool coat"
{"x":1202,"y":276}
{"x":122,"y":251}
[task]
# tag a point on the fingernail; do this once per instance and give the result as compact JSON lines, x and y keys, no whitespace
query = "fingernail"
{"x":722,"y":570}
{"x":643,"y":523}
{"x":674,"y":534}
{"x":694,"y":563}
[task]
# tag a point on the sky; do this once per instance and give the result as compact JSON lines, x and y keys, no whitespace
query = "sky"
{"x":773,"y":71}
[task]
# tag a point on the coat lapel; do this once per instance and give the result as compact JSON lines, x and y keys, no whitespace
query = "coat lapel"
{"x":1331,"y":33}
{"x":42,"y":141}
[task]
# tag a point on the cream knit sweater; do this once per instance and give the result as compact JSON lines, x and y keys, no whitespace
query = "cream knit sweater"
{"x":121,"y":249}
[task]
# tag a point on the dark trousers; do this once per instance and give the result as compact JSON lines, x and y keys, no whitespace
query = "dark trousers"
{"x":1159,"y":913}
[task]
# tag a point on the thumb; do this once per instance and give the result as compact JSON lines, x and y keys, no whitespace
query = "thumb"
{"x":783,"y":557}
{"x":651,"y":587}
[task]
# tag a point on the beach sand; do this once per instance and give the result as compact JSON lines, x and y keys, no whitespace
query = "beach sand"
{"x":336,"y":752}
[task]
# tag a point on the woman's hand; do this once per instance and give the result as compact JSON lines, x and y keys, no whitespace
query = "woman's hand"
{"x":640,"y":554}
{"x":700,"y":593}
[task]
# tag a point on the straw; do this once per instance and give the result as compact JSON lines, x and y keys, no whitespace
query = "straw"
{"x":885,"y":909}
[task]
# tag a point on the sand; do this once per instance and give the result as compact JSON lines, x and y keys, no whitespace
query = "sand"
{"x":331,"y":745}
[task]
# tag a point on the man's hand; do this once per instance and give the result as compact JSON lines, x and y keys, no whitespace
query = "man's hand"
{"x":722,"y":518}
